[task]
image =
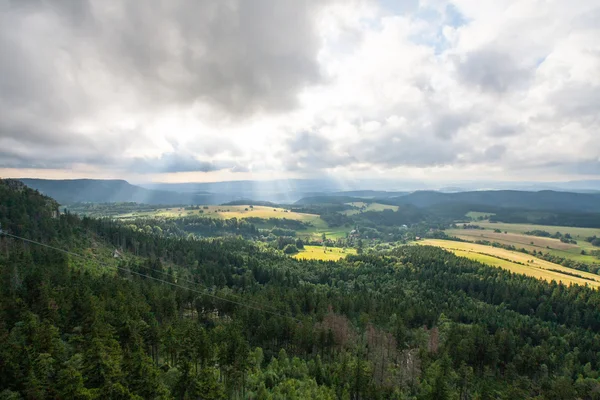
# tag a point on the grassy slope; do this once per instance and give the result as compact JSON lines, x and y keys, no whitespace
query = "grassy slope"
{"x":577,"y":233}
{"x":369,"y":207}
{"x":515,"y":239}
{"x":546,"y":245}
{"x":535,"y":267}
{"x":557,"y":248}
{"x":226,"y":212}
{"x":317,"y":253}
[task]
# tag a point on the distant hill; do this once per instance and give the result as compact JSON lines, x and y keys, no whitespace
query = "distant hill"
{"x":285,"y":191}
{"x":363,"y":194}
{"x":328,"y":199}
{"x":542,"y":200}
{"x":250,"y":202}
{"x":112,"y":191}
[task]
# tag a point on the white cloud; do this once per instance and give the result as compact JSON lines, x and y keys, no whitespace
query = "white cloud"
{"x":444,"y":87}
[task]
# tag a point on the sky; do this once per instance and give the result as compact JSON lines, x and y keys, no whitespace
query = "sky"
{"x":210,"y":90}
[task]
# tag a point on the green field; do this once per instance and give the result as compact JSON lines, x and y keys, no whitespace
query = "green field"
{"x":577,"y":233}
{"x":515,"y":236}
{"x":530,"y":243}
{"x":516,"y":262}
{"x":226,"y":212}
{"x":325,"y":254}
{"x":314,"y":231}
{"x":321,"y":228}
{"x":368,"y":207}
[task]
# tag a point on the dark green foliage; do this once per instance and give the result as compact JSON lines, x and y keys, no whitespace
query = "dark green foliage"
{"x":197,"y":225}
{"x":542,"y":200}
{"x":539,"y":233}
{"x":290,"y":249}
{"x":405,"y":215}
{"x":595,"y":241}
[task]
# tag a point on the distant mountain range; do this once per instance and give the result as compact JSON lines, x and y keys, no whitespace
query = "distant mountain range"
{"x":112,"y":191}
{"x":301,"y":192}
{"x":381,"y":187}
{"x":542,"y":200}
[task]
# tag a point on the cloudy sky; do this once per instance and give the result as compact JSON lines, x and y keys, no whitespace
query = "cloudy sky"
{"x":205,"y":90}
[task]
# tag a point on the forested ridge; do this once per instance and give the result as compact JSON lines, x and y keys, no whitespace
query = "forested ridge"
{"x":411,"y":323}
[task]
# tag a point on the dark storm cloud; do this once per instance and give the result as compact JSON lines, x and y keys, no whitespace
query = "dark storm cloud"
{"x":498,"y":130}
{"x":311,"y":151}
{"x":240,"y":55}
{"x":10,"y":159}
{"x":173,"y":162}
{"x":66,"y":61}
{"x":14,"y":155}
{"x":396,"y":149}
{"x":492,"y":71}
{"x":446,"y":125}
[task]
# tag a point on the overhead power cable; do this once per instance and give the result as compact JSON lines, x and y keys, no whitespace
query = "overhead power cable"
{"x":203,"y":292}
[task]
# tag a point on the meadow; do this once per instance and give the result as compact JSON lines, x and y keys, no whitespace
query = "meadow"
{"x":516,"y":262}
{"x":516,"y":239}
{"x":320,"y":227}
{"x":325,"y":254}
{"x":368,"y":207}
{"x":226,"y":212}
{"x":515,"y":236}
{"x":317,"y":227}
{"x":577,"y":233}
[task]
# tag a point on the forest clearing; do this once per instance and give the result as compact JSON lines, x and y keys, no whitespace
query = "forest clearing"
{"x":323,"y":253}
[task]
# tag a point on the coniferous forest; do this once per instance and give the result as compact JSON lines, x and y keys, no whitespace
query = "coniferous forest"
{"x":176,"y":317}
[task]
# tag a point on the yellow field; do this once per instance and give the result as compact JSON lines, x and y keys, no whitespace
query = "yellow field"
{"x":577,"y":233}
{"x":368,"y":207}
{"x":515,"y":236}
{"x":317,"y":253}
{"x":515,"y":239}
{"x":545,"y":245}
{"x":226,"y":212}
{"x":507,"y":259}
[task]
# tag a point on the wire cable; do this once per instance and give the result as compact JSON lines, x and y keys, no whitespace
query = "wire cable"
{"x":191,"y":282}
{"x":149,"y":277}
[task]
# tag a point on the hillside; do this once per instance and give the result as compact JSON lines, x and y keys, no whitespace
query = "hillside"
{"x":177,"y":318}
{"x":328,"y":199}
{"x":112,"y":191}
{"x":543,"y":200}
